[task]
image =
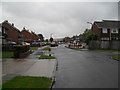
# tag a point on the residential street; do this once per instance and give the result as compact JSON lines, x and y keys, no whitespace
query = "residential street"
{"x":85,"y":69}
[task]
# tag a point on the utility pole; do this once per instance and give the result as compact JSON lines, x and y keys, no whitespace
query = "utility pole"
{"x":51,"y":35}
{"x":110,"y":42}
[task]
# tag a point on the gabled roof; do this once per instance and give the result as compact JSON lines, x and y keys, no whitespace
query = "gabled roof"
{"x":108,"y":24}
{"x":6,"y":22}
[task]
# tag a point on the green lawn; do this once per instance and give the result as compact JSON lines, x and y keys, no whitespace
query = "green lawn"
{"x":47,"y":48}
{"x":7,"y":54}
{"x":116,"y":57}
{"x":28,"y":82}
{"x":107,"y":50}
{"x":34,"y":48}
{"x":46,"y":57}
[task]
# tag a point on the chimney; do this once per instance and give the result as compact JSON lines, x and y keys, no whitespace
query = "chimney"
{"x":24,"y":28}
{"x":6,"y":21}
{"x":12,"y":24}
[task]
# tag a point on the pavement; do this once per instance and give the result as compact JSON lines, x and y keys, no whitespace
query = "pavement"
{"x":29,"y":66}
{"x":43,"y":68}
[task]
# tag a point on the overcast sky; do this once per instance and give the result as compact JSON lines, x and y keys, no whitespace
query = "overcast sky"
{"x":60,"y":18}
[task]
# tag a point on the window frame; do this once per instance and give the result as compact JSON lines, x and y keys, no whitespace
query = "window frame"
{"x":112,"y":30}
{"x":104,"y":30}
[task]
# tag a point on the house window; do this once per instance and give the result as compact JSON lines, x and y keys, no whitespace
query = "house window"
{"x":104,"y":30}
{"x":114,"y":31}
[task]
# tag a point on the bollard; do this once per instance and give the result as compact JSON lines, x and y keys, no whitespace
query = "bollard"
{"x":49,"y":51}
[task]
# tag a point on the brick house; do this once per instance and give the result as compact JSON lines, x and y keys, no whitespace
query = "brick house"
{"x":77,"y":39}
{"x":10,"y":32}
{"x":35,"y":37}
{"x":29,"y":36}
{"x":107,"y":29}
{"x":67,"y":39}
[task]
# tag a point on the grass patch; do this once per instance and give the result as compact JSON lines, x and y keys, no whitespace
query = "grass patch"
{"x":34,"y":48}
{"x":47,"y":48}
{"x":6,"y":54}
{"x":76,"y":48}
{"x":28,"y":82}
{"x":116,"y":57}
{"x":107,"y":50}
{"x":46,"y":57}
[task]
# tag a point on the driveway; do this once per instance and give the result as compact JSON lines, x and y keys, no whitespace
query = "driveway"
{"x":85,"y":69}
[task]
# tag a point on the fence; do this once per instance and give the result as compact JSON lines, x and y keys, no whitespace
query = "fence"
{"x":104,"y":44}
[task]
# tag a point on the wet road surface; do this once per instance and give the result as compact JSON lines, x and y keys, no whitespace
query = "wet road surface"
{"x":85,"y":69}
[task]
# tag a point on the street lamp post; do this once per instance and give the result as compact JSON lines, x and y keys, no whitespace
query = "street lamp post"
{"x":51,"y":35}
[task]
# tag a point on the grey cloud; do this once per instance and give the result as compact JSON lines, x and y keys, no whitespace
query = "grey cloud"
{"x":62,"y":18}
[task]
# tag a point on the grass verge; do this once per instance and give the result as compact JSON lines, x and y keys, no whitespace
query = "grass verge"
{"x":46,"y":57}
{"x":107,"y":50}
{"x":7,"y":54}
{"x":47,"y":48}
{"x":34,"y":48}
{"x":28,"y":82}
{"x":116,"y":57}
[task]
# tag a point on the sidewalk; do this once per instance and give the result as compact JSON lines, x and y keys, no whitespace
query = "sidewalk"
{"x":43,"y":68}
{"x":29,"y":66}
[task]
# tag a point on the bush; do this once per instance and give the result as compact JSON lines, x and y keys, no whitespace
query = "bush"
{"x":6,"y":47}
{"x":22,"y":48}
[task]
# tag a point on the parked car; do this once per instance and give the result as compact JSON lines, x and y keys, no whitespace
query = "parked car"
{"x":53,"y":44}
{"x":25,"y":43}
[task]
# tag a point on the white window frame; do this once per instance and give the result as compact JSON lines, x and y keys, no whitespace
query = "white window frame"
{"x":104,"y":30}
{"x":113,"y":30}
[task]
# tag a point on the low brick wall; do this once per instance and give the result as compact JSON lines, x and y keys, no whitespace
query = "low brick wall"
{"x":21,"y":51}
{"x":25,"y":54}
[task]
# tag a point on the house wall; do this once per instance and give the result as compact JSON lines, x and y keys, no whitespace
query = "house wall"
{"x":35,"y":37}
{"x":95,"y":29}
{"x":109,"y":35}
{"x":26,"y":35}
{"x":29,"y":37}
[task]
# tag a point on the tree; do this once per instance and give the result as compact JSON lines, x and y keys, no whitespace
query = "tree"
{"x":46,"y":40}
{"x":41,"y":37}
{"x":51,"y":39}
{"x":88,"y":35}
